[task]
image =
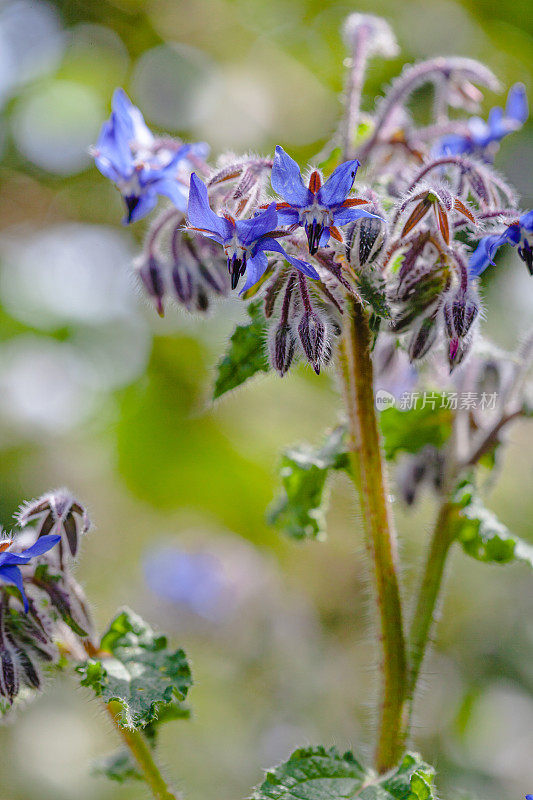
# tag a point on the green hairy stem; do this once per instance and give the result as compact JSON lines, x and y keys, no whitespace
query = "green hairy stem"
{"x":140,"y":750}
{"x":366,"y":457}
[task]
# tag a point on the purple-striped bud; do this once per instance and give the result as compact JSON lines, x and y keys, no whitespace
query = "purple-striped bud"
{"x":312,"y":333}
{"x":423,"y":338}
{"x":282,"y":348}
{"x":460,"y":311}
{"x":183,"y":283}
{"x":151,"y":275}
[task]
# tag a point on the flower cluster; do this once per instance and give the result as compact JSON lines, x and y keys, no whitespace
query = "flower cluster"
{"x":404,"y":246}
{"x":41,"y":604}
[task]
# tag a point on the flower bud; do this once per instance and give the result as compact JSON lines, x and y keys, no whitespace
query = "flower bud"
{"x":152,"y":277}
{"x":457,"y":350}
{"x":364,"y":240}
{"x":378,"y":36}
{"x":282,"y":348}
{"x":58,"y":512}
{"x":183,"y":283}
{"x":312,"y":333}
{"x":9,"y":674}
{"x":423,"y":338}
{"x":460,"y":311}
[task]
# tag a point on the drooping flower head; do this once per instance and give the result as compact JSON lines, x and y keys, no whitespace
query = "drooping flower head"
{"x":481,"y":135}
{"x":245,"y":241}
{"x":141,"y":165}
{"x":519,"y":234}
{"x":318,"y":207}
{"x":10,"y":563}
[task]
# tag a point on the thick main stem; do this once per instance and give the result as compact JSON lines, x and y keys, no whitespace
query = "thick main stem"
{"x":366,"y":456}
{"x":140,"y":750}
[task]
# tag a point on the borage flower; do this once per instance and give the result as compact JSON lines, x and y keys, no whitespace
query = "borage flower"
{"x":141,"y":166}
{"x":245,"y":241}
{"x":481,"y":134}
{"x":10,"y":563}
{"x":518,"y":233}
{"x":318,"y":208}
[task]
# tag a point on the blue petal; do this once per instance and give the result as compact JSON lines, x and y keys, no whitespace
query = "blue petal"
{"x":12,"y":574}
{"x":453,"y":145}
{"x":484,"y":254}
{"x":345,"y":215}
{"x":42,"y":545}
{"x":131,"y":118}
{"x":517,"y":106}
{"x":174,"y":190}
{"x":147,"y":202}
{"x":201,"y":215}
{"x":113,"y":154}
{"x":286,"y":180}
{"x":338,"y":186}
{"x":249,"y":230}
{"x":255,"y":267}
{"x":288,"y":216}
{"x":303,"y":266}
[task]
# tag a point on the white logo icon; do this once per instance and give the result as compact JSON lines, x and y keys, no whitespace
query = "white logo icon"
{"x":384,"y":399}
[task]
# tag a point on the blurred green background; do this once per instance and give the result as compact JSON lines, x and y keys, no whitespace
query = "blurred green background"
{"x":99,"y":394}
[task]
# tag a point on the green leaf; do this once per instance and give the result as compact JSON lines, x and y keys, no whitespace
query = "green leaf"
{"x":410,"y":430}
{"x":140,"y":671}
{"x":483,"y":536}
{"x":315,"y":773}
{"x":372,"y":289}
{"x":118,"y":766}
{"x":246,"y":355}
{"x":300,"y":508}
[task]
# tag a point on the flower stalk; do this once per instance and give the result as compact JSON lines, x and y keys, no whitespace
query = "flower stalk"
{"x":366,"y":457}
{"x":140,"y":750}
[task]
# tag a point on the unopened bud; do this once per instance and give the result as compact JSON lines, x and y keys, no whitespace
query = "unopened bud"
{"x":423,"y":338}
{"x":459,"y":312}
{"x":152,"y":278}
{"x":58,"y":512}
{"x":364,"y":240}
{"x":282,"y":349}
{"x":312,"y":333}
{"x":183,"y":283}
{"x":9,"y":675}
{"x":375,"y":31}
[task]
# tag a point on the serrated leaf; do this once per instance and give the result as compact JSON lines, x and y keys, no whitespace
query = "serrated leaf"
{"x":410,"y":430}
{"x":118,"y":766}
{"x":483,"y":536}
{"x":315,"y":773}
{"x":300,"y":509}
{"x":246,"y":355}
{"x":141,"y":673}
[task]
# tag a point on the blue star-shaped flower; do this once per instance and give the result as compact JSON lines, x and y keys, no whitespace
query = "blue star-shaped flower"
{"x":10,"y":563}
{"x":500,"y":123}
{"x":142,"y":166}
{"x":245,"y":241}
{"x":318,"y":208}
{"x":518,"y":233}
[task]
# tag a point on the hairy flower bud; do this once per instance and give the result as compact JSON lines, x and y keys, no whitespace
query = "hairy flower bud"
{"x":364,"y":241}
{"x":460,"y":311}
{"x":375,"y":31}
{"x":423,"y":338}
{"x":58,"y":512}
{"x":312,"y":333}
{"x":282,"y":348}
{"x":151,"y":275}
